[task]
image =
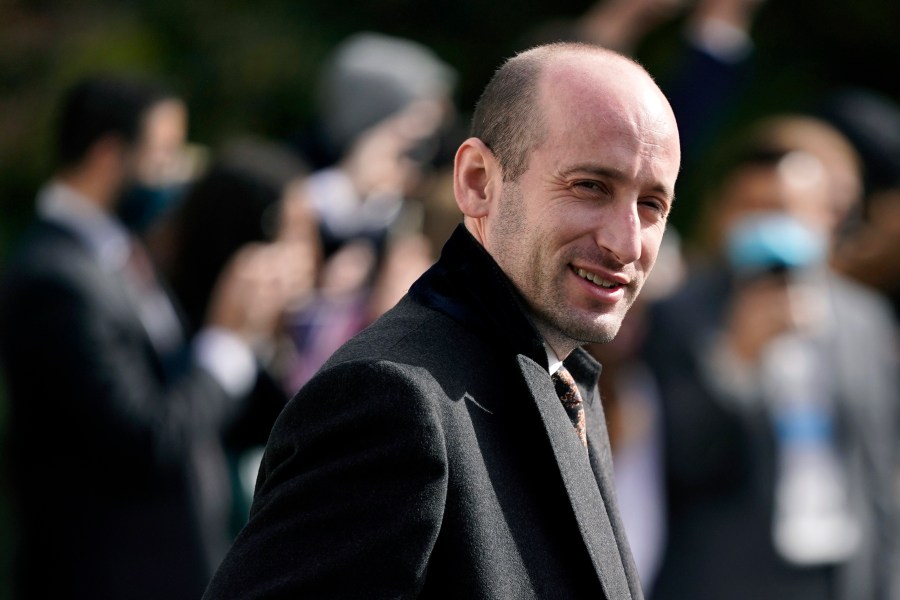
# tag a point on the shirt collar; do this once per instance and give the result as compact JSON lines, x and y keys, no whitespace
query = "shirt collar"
{"x":104,"y":235}
{"x":553,"y":362}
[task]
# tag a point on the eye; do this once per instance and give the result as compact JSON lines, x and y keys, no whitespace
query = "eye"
{"x":655,"y":205}
{"x":592,"y":186}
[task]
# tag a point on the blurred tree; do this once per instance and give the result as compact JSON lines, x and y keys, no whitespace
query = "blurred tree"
{"x":248,"y":67}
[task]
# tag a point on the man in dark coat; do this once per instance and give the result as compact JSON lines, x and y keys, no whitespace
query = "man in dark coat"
{"x":119,"y":481}
{"x":432,"y":455}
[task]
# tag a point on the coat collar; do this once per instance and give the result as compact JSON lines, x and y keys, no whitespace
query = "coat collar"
{"x":469,"y":286}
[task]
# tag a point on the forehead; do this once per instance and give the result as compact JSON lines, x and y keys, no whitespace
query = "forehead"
{"x":596,"y":101}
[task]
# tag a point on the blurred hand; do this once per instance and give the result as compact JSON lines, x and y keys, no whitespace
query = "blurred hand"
{"x":297,"y":268}
{"x":254,"y":289}
{"x":760,"y":310}
{"x":348,"y":270}
{"x":379,"y":161}
{"x":299,"y":243}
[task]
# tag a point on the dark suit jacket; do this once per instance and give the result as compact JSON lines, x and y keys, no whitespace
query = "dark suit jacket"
{"x":431,"y":457}
{"x":108,"y":436}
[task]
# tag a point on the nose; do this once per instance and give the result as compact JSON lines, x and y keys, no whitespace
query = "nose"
{"x":619,"y":232}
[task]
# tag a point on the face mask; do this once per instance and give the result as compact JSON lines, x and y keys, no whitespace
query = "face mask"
{"x":140,"y":206}
{"x":773,"y":241}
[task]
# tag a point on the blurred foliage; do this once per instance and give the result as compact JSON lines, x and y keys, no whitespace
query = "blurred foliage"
{"x":250,"y":67}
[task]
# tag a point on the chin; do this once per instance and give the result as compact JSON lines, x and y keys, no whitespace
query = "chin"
{"x":603,"y":328}
{"x":595,"y":333}
{"x":604,"y":337}
{"x":581,"y":327}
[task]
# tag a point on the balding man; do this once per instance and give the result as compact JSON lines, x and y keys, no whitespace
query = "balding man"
{"x":456,"y":448}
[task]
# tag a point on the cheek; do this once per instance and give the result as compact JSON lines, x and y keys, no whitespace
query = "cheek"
{"x":567,"y":225}
{"x":650,"y":243}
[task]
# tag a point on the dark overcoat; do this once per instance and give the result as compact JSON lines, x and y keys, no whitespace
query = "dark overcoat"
{"x":431,"y":457}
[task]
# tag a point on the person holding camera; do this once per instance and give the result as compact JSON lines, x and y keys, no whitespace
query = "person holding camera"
{"x":778,"y":380}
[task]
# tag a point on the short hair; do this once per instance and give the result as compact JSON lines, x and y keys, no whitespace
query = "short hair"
{"x":508,"y":116}
{"x":104,"y":105}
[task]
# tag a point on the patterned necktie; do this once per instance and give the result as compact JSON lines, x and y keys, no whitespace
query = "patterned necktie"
{"x":571,"y":400}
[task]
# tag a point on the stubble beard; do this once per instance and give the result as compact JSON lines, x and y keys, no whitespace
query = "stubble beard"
{"x":518,"y":251}
{"x":566,"y":327}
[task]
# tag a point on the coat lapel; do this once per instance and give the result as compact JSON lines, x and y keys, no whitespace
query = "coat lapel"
{"x":600,"y":455}
{"x":581,"y":486}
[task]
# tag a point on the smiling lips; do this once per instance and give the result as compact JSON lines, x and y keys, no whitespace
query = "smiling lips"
{"x":597,"y":280}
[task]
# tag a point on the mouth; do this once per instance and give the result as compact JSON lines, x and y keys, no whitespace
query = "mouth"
{"x":597,"y":280}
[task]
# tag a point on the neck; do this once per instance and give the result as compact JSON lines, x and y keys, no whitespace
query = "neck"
{"x":476,"y":228}
{"x":95,"y":189}
{"x":561,"y":345}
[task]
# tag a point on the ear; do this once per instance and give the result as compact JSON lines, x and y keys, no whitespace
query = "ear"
{"x":477,"y":180}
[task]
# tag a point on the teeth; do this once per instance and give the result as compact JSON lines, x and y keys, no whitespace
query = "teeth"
{"x":597,"y":279}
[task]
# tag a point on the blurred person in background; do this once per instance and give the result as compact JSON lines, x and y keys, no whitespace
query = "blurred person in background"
{"x":250,"y":194}
{"x":119,"y":481}
{"x":385,"y":110}
{"x":384,"y":103}
{"x":867,"y":249}
{"x":778,"y":380}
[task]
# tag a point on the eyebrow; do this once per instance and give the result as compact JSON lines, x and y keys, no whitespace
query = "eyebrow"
{"x":617,"y":175}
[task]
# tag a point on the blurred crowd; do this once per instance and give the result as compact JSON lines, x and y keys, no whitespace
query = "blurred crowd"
{"x":170,"y":298}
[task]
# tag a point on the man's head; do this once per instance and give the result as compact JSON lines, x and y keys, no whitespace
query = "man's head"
{"x":790,"y":164}
{"x":116,"y":131}
{"x":568,"y":181}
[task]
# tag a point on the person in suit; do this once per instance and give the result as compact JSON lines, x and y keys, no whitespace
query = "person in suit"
{"x":115,"y":415}
{"x":456,"y":447}
{"x":778,"y":382}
